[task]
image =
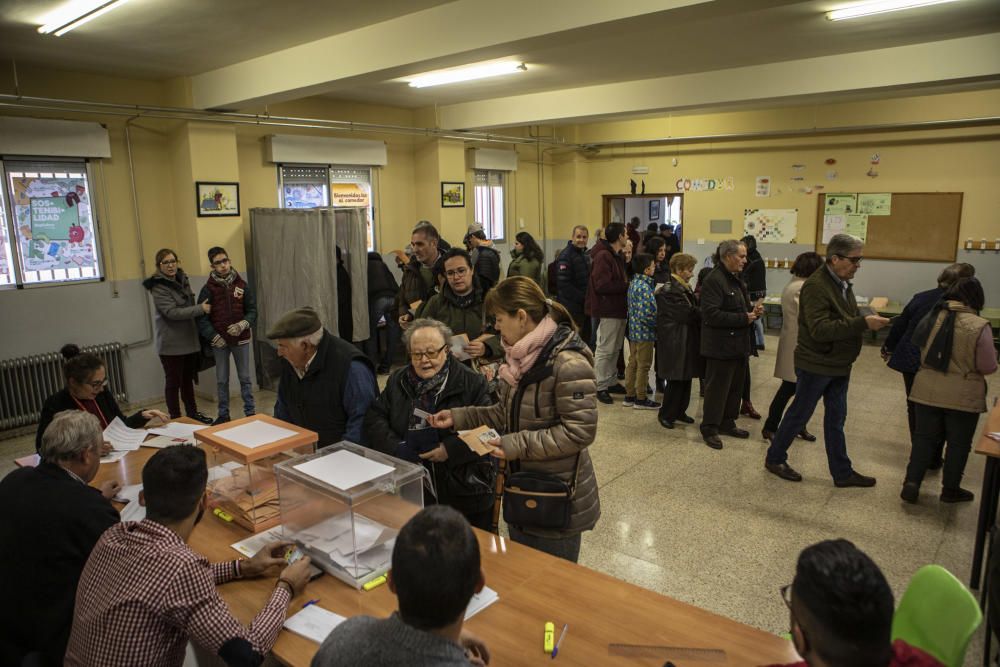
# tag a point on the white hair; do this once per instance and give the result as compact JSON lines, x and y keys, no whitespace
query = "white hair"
{"x":426,"y":323}
{"x":70,"y":433}
{"x":841,"y":244}
{"x":313,"y":339}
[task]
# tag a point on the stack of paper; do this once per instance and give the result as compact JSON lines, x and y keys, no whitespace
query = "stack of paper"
{"x":480,"y":601}
{"x":255,"y":434}
{"x":370,"y":545}
{"x":314,"y":623}
{"x":123,"y":438}
{"x":343,"y":469}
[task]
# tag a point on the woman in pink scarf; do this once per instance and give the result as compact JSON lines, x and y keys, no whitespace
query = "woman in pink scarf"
{"x":547,"y":413}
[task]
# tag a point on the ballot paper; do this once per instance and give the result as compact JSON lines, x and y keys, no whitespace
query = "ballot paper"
{"x":127,"y":494}
{"x":123,"y":438}
{"x":161,"y":441}
{"x":251,"y":545}
{"x":458,"y":343}
{"x":133,"y":511}
{"x":177,"y":430}
{"x":377,"y":558}
{"x":480,"y":601}
{"x":344,"y":469}
{"x":254,"y":434}
{"x":314,"y":623}
{"x":113,"y":457}
{"x":223,"y":471}
{"x":476,"y":439}
{"x":371,"y":541}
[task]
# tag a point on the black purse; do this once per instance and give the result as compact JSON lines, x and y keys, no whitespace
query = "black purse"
{"x":539,"y":500}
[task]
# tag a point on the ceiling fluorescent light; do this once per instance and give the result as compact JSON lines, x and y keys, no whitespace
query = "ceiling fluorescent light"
{"x":881,"y":7}
{"x":467,"y":73}
{"x":75,"y":14}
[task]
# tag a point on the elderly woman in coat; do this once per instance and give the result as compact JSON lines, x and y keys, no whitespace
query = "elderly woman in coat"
{"x":678,"y":337}
{"x":784,"y":363}
{"x":547,"y":413}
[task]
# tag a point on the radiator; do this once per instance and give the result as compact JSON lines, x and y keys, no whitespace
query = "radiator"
{"x":26,"y":382}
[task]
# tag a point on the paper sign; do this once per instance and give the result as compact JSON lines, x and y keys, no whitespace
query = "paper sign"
{"x":875,"y":203}
{"x":856,"y":224}
{"x":832,"y":225}
{"x":255,"y":434}
{"x":123,"y":438}
{"x":763,"y":188}
{"x":840,"y":203}
{"x":314,"y":623}
{"x":477,"y":438}
{"x":344,"y":470}
{"x":458,"y":343}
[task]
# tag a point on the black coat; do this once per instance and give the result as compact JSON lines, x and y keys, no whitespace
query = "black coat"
{"x":572,"y":276}
{"x":678,"y":333}
{"x":48,"y":528}
{"x":755,"y":276}
{"x":466,"y":480}
{"x":345,"y":314}
{"x":725,"y":330}
{"x":487,"y":266}
{"x":381,"y":282}
{"x":61,"y":400}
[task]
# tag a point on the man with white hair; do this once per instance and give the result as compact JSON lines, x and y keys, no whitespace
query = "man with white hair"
{"x":830,"y":335}
{"x":327,"y":384}
{"x":51,"y":520}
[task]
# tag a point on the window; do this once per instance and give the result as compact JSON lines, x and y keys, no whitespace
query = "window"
{"x":489,"y":192}
{"x":49,"y":220}
{"x":309,"y":186}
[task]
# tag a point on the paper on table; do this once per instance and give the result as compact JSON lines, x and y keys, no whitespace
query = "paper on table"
{"x":255,"y":434}
{"x":476,"y":439}
{"x":161,"y":441}
{"x":458,"y":343}
{"x":480,"y":601}
{"x":123,"y":438}
{"x":251,"y":545}
{"x":314,"y":623}
{"x":133,"y":511}
{"x":994,"y":435}
{"x":177,"y":430}
{"x":114,"y":457}
{"x":344,"y":470}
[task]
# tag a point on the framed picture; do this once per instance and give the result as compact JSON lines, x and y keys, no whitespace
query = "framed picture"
{"x":452,"y":194}
{"x":654,"y":209}
{"x":216,"y":200}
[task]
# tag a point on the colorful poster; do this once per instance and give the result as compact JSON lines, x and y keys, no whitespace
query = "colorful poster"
{"x":832,"y":224}
{"x":875,"y":203}
{"x":304,"y":195}
{"x":840,"y":203}
{"x":349,"y":194}
{"x":53,"y":217}
{"x":775,"y":225}
{"x":763,"y":188}
{"x":856,"y":224}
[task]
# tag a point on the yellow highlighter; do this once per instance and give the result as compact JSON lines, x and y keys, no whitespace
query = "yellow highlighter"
{"x":222,"y":515}
{"x":550,"y":636}
{"x":375,"y":583}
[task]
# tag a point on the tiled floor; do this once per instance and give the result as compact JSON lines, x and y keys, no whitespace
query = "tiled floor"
{"x":714,"y":529}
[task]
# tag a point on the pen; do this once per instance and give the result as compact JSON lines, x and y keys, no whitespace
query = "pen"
{"x":375,"y":583}
{"x":310,"y":602}
{"x":562,"y":636}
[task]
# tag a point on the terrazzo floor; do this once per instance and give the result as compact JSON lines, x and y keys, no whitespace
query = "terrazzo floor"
{"x":714,"y":529}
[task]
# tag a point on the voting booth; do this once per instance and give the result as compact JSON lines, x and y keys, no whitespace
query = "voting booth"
{"x":344,"y":506}
{"x":242,"y":455}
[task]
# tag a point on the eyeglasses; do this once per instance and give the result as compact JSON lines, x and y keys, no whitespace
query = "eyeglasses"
{"x":852,"y":260}
{"x":430,"y":356}
{"x":786,"y":595}
{"x":456,"y":272}
{"x":97,"y":384}
{"x":221,"y":262}
{"x":168,"y":262}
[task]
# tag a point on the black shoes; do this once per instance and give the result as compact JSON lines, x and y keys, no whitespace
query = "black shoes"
{"x":665,"y":423}
{"x":604,"y":397}
{"x":736,"y":433}
{"x":221,"y":419}
{"x":713,"y":441}
{"x":616,"y":388}
{"x":685,"y":419}
{"x":855,"y":479}
{"x":784,"y":471}
{"x":767,"y":435}
{"x":910,"y":492}
{"x":959,"y":495}
{"x":807,"y":436}
{"x":203,"y":418}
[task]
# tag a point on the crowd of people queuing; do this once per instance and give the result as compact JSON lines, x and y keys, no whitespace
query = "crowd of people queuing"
{"x":529,"y":364}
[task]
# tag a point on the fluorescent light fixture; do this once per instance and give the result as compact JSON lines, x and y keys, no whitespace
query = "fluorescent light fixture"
{"x":75,"y":14}
{"x":466,"y":73}
{"x":880,"y":7}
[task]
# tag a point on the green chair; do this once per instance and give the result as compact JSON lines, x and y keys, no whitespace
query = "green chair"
{"x":937,"y":615}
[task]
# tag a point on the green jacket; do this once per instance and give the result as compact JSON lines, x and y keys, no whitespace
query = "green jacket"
{"x":530,"y":268}
{"x":444,"y":307}
{"x":830,"y":327}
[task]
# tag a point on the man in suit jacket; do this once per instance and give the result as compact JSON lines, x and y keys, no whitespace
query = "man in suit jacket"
{"x":50,"y":523}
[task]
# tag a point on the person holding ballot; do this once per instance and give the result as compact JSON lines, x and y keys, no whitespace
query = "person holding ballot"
{"x":547,"y":414}
{"x":396,"y":422}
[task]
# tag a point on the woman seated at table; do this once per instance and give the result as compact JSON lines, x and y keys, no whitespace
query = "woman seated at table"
{"x":547,"y":411}
{"x":433,"y":381}
{"x":86,"y":389}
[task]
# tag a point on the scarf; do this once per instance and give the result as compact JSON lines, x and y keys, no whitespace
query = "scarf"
{"x":939,"y":351}
{"x":425,"y":392}
{"x":227,"y":280}
{"x":521,"y":356}
{"x":464,"y":301}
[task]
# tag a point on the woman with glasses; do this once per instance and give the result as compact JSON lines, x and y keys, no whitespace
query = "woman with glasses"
{"x":395,"y":423}
{"x":177,"y":340}
{"x":86,"y":389}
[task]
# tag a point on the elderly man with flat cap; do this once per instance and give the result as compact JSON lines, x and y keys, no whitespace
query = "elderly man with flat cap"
{"x":327,"y":383}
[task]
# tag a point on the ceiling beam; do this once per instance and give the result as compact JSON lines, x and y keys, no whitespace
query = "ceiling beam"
{"x":458,"y":30}
{"x":914,"y":66}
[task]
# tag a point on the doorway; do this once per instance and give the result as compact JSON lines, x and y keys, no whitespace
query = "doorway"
{"x":651,"y":208}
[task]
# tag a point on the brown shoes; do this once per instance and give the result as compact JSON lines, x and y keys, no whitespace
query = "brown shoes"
{"x":747,"y":410}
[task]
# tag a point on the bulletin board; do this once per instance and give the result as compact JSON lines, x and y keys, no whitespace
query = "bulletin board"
{"x":921,"y":227}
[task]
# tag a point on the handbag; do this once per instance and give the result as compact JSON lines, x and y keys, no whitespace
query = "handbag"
{"x":539,"y":500}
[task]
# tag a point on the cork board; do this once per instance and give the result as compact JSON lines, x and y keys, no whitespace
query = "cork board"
{"x":922,"y":227}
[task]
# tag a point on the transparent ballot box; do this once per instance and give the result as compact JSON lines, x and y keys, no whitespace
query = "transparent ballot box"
{"x":241,"y":459}
{"x":344,"y":505}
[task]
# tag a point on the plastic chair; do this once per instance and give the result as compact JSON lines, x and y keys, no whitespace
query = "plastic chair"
{"x":938,"y":615}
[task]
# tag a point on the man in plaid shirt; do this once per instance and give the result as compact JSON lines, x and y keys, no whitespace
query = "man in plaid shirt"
{"x":144,"y":593}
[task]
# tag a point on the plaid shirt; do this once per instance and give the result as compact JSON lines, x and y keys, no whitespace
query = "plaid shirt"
{"x":144,"y":593}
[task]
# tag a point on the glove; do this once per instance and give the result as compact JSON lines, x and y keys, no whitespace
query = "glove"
{"x":218,"y":341}
{"x":237,"y":328}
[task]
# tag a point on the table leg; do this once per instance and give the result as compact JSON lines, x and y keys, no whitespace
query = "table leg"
{"x":987,"y":515}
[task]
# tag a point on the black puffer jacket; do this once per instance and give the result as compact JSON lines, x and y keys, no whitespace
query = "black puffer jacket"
{"x":465,"y":481}
{"x":487,"y":266}
{"x":573,"y":274}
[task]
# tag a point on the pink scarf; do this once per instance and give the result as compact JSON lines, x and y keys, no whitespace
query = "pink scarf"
{"x":521,"y":356}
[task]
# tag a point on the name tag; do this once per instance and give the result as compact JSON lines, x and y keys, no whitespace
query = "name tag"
{"x":238,"y":292}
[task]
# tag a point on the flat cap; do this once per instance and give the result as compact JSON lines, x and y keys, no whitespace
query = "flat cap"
{"x":299,"y":322}
{"x":474,"y":228}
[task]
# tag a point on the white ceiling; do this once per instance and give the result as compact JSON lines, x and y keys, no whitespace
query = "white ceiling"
{"x":639,"y":56}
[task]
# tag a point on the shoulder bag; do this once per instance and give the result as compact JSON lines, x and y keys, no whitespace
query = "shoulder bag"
{"x":538,"y":499}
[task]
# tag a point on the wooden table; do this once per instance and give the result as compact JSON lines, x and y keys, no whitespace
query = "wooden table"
{"x":533,"y":588}
{"x":989,"y":494}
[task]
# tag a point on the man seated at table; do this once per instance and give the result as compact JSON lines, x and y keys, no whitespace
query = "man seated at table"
{"x":144,"y":593}
{"x":51,"y":520}
{"x":435,"y":572}
{"x":327,"y":383}
{"x":841,"y":609}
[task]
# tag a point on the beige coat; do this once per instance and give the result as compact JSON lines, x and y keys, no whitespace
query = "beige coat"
{"x":962,"y":387}
{"x":554,"y":420}
{"x":784,"y":361}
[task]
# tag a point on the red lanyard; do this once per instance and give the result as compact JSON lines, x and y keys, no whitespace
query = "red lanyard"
{"x":100,"y":414}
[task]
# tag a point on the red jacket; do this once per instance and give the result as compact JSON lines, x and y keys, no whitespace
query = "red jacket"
{"x":903,"y":655}
{"x":607,"y":289}
{"x":230,"y":304}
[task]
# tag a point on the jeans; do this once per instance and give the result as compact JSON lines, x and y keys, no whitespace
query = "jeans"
{"x":382,"y":306}
{"x":724,"y":380}
{"x":933,"y":426}
{"x":241,"y":354}
{"x":778,"y":405}
{"x":610,"y":334}
{"x":810,"y":388}
{"x":640,"y":358}
{"x":758,"y":332}
{"x":567,"y":548}
{"x":179,"y":371}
